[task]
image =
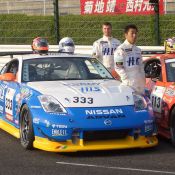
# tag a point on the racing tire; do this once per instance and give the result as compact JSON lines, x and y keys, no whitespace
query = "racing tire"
{"x":172,"y":127}
{"x":26,"y":128}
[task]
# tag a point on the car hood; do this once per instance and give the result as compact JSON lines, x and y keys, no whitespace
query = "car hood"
{"x":86,"y":93}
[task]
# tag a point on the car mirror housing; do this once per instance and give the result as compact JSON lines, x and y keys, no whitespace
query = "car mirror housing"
{"x":7,"y":77}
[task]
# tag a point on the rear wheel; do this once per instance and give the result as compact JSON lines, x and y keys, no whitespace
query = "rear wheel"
{"x":26,"y":128}
{"x":172,"y":127}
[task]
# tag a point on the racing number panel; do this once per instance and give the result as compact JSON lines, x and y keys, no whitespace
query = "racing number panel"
{"x":8,"y":92}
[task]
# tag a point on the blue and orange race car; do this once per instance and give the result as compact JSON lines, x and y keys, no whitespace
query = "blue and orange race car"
{"x":67,"y":103}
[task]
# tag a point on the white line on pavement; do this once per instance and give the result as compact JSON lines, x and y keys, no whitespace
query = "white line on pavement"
{"x":118,"y":168}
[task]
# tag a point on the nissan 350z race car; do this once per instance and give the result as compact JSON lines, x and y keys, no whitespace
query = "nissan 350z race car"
{"x":67,"y":103}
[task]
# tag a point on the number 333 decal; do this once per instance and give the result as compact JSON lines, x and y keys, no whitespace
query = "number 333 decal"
{"x":9,"y":101}
{"x":88,"y":100}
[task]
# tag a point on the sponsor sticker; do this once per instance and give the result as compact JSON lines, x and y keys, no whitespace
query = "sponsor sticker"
{"x":104,"y":113}
{"x":36,"y":120}
{"x":58,"y":126}
{"x":1,"y":109}
{"x":90,"y":89}
{"x":2,"y":90}
{"x":170,"y":92}
{"x":59,"y":132}
{"x":148,"y":125}
{"x":81,"y":84}
{"x":47,"y":123}
{"x":26,"y":93}
{"x":9,"y":117}
{"x":36,"y":107}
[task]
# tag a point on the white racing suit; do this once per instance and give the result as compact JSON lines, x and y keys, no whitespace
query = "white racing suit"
{"x":131,"y":71}
{"x":103,"y":50}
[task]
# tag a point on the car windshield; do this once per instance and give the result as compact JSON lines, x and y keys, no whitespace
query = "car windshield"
{"x":170,"y":69}
{"x":63,"y":68}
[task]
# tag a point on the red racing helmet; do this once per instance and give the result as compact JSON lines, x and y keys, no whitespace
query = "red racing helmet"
{"x":40,"y":45}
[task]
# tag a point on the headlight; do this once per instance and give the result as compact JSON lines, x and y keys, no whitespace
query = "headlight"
{"x":50,"y":104}
{"x":139,"y":102}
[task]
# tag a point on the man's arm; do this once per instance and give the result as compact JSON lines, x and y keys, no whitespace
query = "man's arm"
{"x":142,"y":67}
{"x":95,"y":49}
{"x":119,"y":57}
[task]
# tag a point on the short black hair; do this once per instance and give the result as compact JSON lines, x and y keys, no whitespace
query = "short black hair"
{"x":107,"y":24}
{"x":130,"y":26}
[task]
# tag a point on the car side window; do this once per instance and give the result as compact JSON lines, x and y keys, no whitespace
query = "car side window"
{"x":153,"y":69}
{"x":4,"y":69}
{"x":12,"y":67}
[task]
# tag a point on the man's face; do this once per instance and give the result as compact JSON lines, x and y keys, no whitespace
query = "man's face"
{"x":131,"y":36}
{"x":107,"y":30}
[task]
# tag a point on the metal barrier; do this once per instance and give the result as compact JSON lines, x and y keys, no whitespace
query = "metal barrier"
{"x":147,"y":51}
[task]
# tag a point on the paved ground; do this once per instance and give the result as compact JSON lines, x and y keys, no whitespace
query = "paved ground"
{"x":14,"y":160}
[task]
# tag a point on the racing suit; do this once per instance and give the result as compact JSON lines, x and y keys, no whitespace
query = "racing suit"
{"x":130,"y":69}
{"x":103,"y":50}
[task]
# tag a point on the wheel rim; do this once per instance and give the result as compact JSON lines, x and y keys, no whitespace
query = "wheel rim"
{"x":25,"y":127}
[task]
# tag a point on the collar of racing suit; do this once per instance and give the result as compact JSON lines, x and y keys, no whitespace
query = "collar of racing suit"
{"x":129,"y":44}
{"x":107,"y":38}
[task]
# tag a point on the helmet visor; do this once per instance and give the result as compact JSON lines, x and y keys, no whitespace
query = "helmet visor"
{"x":68,"y":44}
{"x":42,"y":44}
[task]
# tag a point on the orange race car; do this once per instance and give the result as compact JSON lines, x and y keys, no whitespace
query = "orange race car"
{"x":160,"y":86}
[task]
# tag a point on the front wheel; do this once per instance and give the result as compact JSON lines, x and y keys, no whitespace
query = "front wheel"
{"x":26,"y":128}
{"x":172,"y":127}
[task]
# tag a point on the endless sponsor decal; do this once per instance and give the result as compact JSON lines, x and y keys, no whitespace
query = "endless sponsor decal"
{"x":59,"y":132}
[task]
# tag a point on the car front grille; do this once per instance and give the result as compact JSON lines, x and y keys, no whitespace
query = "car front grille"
{"x":105,"y":135}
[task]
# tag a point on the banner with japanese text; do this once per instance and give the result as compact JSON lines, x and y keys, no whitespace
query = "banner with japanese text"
{"x":135,"y":7}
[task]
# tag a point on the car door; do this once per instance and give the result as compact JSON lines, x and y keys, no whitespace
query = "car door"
{"x":155,"y":84}
{"x":8,"y":92}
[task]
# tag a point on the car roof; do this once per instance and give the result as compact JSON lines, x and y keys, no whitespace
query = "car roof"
{"x":163,"y":56}
{"x":50,"y":55}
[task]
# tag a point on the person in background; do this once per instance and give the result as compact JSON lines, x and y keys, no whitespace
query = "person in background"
{"x":103,"y":48}
{"x":66,"y":45}
{"x":40,"y":45}
{"x":128,"y":61}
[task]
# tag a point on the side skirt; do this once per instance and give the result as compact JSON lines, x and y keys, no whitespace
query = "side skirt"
{"x":9,"y":128}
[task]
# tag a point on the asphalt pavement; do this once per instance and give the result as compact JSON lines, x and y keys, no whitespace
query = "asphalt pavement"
{"x":14,"y":160}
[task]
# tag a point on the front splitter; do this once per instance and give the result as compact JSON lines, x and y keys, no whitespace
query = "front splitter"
{"x":68,"y":146}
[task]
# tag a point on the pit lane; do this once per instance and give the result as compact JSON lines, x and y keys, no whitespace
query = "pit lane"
{"x":17,"y":161}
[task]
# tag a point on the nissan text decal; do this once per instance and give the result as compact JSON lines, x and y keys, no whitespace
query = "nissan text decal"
{"x":104,"y":113}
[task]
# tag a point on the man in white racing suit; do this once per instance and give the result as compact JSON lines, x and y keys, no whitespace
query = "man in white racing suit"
{"x":103,"y":49}
{"x":128,"y":61}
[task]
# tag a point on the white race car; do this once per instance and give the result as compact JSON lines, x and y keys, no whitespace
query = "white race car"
{"x":66,"y":103}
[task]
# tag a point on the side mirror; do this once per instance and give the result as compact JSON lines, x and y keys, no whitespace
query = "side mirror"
{"x":115,"y":74}
{"x":7,"y":77}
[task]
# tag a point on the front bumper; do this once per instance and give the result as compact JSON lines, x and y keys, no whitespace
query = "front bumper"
{"x":68,"y":146}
